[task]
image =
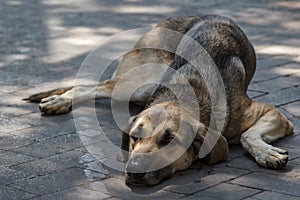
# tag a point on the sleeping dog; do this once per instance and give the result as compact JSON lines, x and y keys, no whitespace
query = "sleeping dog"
{"x":173,"y":129}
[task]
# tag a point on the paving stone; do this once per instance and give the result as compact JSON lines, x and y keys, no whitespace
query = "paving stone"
{"x":114,"y":198}
{"x":56,"y":163}
{"x":52,"y":183}
{"x":58,"y":122}
{"x":236,"y":151}
{"x":291,"y":69}
{"x":281,"y":97}
{"x":9,"y":176}
{"x":275,"y":84}
{"x":9,"y":141}
{"x":295,"y":161}
{"x":86,"y":157}
{"x":295,"y":120}
{"x":280,"y":184}
{"x":255,"y":94}
{"x":92,"y":168}
{"x":34,"y":134}
{"x":291,"y":141}
{"x":117,"y":188}
{"x":7,"y":193}
{"x":11,"y":125}
{"x":97,"y":135}
{"x":13,"y":111}
{"x":47,"y":131}
{"x":32,"y":119}
{"x":11,"y":158}
{"x":248,"y":163}
{"x":273,"y":61}
{"x":93,"y":175}
{"x":13,"y":100}
{"x":104,"y":115}
{"x":213,"y":177}
{"x":274,"y":196}
{"x":76,"y":193}
{"x":286,"y":49}
{"x":262,"y":56}
{"x":95,"y":166}
{"x":224,"y":191}
{"x":264,"y":75}
{"x":293,"y":152}
{"x":293,"y":108}
{"x":51,"y":146}
{"x":251,"y":198}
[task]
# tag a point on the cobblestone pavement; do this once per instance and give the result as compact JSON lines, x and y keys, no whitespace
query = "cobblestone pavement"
{"x":43,"y":43}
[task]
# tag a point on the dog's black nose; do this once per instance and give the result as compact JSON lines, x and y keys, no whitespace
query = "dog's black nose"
{"x":137,"y":164}
{"x":136,"y":176}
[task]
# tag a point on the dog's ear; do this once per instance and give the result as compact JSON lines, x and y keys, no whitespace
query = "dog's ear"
{"x":211,"y":146}
{"x":126,"y":139}
{"x":214,"y":148}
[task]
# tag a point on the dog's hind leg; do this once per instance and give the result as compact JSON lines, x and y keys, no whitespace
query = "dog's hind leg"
{"x":62,"y":103}
{"x":270,"y":126}
{"x":36,"y":98}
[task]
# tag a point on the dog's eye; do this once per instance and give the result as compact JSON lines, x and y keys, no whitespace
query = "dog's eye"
{"x":135,"y":138}
{"x":167,"y":137}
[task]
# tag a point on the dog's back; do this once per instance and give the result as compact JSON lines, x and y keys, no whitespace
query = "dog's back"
{"x":218,"y":35}
{"x":222,"y":39}
{"x":228,"y":49}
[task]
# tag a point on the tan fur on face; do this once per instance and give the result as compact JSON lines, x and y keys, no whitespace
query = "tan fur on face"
{"x":151,"y":125}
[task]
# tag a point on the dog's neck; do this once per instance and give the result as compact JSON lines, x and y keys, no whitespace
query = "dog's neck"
{"x":199,"y":106}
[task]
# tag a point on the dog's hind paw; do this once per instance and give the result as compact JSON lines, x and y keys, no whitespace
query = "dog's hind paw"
{"x":36,"y":98}
{"x":274,"y":158}
{"x":55,"y":105}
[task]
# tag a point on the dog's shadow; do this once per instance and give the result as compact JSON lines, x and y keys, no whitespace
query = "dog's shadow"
{"x":179,"y":179}
{"x":238,"y":163}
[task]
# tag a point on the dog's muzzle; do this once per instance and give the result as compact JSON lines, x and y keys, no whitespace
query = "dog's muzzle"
{"x":136,"y":170}
{"x":138,"y":173}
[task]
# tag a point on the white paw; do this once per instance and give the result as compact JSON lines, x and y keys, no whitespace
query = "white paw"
{"x":55,"y":104}
{"x":273,"y":157}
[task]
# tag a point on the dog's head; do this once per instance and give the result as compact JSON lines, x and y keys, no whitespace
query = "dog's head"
{"x":161,"y":142}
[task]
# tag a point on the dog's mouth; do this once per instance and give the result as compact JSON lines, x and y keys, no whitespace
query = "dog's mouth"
{"x":142,"y":179}
{"x":149,"y":178}
{"x":136,"y":183}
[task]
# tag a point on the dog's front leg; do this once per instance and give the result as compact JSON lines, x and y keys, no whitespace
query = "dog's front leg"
{"x":267,"y":129}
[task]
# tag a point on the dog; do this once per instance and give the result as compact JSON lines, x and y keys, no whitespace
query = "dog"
{"x":167,"y":136}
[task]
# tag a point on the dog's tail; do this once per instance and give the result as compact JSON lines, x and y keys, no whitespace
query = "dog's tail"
{"x":39,"y":96}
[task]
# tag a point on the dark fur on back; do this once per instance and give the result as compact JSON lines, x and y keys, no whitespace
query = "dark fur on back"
{"x":222,"y":38}
{"x":233,"y":55}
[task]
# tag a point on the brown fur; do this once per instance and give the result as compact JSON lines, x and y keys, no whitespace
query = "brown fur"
{"x":39,"y":96}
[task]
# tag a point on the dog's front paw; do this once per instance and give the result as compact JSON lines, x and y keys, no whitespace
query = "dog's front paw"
{"x":55,"y":105}
{"x":274,"y":158}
